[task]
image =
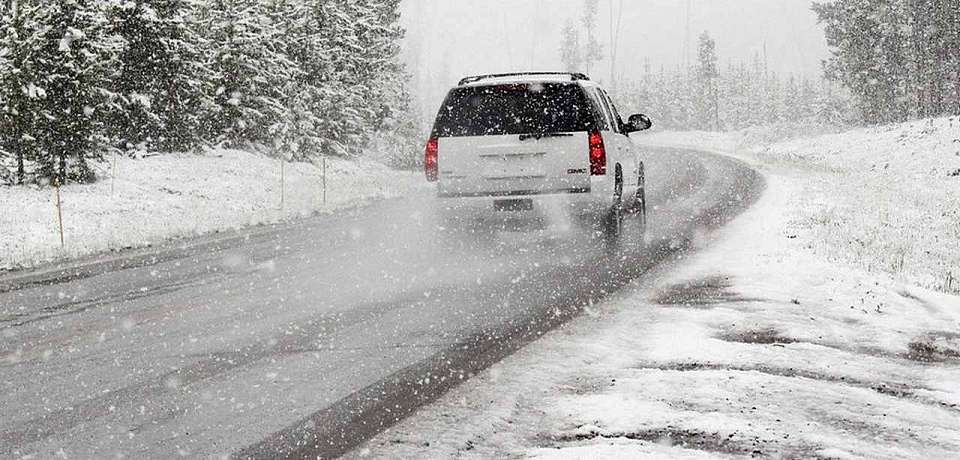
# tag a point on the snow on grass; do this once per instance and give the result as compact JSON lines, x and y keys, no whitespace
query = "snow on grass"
{"x":757,"y":344}
{"x":160,"y":197}
{"x":885,"y":198}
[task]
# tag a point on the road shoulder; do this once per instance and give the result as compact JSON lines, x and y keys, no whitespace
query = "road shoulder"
{"x":145,"y":203}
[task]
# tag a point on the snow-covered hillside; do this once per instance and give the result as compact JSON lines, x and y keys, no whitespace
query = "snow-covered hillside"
{"x":886,"y":198}
{"x":160,"y":197}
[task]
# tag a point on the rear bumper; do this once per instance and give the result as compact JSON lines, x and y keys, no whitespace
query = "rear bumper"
{"x":560,"y":205}
{"x":520,"y":193}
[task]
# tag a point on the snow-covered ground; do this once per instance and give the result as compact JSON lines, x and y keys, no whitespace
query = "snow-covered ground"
{"x":886,"y":199}
{"x":776,"y":338}
{"x":157,"y":198}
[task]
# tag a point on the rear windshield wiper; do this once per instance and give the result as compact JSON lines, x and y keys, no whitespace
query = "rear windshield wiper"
{"x":538,"y":136}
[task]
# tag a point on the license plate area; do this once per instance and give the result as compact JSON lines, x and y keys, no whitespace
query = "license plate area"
{"x":513,"y":205}
{"x":513,"y":166}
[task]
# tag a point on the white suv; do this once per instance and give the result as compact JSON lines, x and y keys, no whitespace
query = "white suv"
{"x":534,"y":144}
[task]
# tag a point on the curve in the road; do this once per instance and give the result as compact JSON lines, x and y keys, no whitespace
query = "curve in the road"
{"x":305,"y":340}
{"x":335,"y":430}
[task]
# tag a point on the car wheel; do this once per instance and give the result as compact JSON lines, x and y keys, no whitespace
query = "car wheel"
{"x":614,"y":223}
{"x":641,"y":199}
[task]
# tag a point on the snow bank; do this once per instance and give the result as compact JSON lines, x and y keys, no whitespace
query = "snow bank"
{"x":161,"y":197}
{"x":885,"y":198}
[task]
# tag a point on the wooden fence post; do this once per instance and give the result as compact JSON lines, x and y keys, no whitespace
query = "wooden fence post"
{"x":282,"y":183}
{"x":56,"y":188}
{"x":113,"y":175}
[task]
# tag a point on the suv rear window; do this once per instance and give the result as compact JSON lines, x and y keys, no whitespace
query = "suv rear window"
{"x":526,"y":108}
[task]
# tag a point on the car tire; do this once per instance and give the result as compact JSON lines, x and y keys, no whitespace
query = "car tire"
{"x":613,"y":227}
{"x":640,"y":203}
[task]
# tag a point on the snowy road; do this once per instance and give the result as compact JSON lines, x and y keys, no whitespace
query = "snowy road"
{"x":308,"y":338}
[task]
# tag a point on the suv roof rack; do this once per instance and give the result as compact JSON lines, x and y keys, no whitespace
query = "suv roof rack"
{"x":574,"y":76}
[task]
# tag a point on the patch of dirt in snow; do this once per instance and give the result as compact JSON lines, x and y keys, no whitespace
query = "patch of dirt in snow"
{"x":935,"y":347}
{"x":716,"y":442}
{"x":701,"y":293}
{"x":765,"y":336}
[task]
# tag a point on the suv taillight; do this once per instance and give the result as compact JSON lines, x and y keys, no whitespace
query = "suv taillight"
{"x":598,"y":155}
{"x":430,"y":159}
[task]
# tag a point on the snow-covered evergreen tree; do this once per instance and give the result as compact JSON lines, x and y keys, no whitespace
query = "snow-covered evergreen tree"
{"x":382,"y":70}
{"x":69,"y":74}
{"x":160,"y":86}
{"x":306,"y":77}
{"x":592,"y":49}
{"x":745,"y":96}
{"x":570,"y":52}
{"x":250,"y":70}
{"x":20,"y":42}
{"x":351,"y":68}
{"x":707,"y":90}
{"x":897,"y":57}
{"x":387,"y":98}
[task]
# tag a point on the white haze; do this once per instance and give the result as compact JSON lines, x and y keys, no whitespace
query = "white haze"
{"x":447,"y":39}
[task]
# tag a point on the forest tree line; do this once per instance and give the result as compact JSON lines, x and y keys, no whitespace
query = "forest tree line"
{"x":899,"y":58}
{"x":732,"y":97}
{"x":82,"y":77}
{"x":706,"y":95}
{"x":891,"y":61}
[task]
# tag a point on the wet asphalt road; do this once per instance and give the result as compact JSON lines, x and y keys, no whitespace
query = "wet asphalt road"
{"x":304,"y":339}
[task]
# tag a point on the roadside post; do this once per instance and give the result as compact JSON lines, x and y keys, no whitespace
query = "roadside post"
{"x":113,"y":174}
{"x":282,"y":182}
{"x":56,"y":188}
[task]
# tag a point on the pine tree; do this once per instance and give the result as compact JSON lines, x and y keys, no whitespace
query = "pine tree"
{"x":303,"y":76}
{"x":748,"y":96}
{"x":73,"y":68}
{"x":592,"y":51}
{"x":334,"y":67}
{"x":349,"y":82}
{"x":806,"y":97}
{"x":897,"y":57}
{"x":949,"y":21}
{"x":776,"y":99}
{"x":291,"y":136}
{"x":738,"y":102}
{"x":251,"y":73}
{"x":380,"y":70}
{"x":160,"y":86}
{"x":19,"y":95}
{"x":570,"y":50}
{"x":707,"y":74}
{"x":389,"y":100}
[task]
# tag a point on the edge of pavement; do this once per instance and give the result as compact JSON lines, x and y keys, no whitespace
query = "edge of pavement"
{"x":72,"y":269}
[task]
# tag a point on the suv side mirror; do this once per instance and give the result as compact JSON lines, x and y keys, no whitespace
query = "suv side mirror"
{"x":638,"y":122}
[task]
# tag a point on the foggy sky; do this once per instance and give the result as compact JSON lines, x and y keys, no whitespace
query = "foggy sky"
{"x":448,"y":39}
